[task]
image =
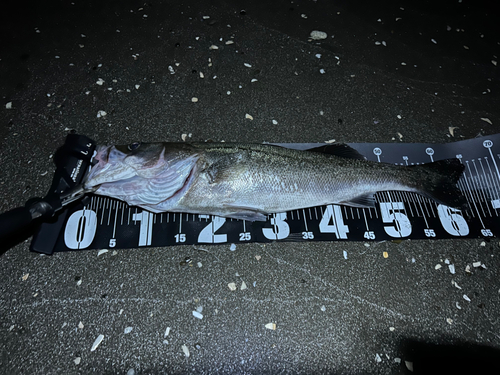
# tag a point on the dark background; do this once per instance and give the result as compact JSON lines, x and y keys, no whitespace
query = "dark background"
{"x":332,"y":315}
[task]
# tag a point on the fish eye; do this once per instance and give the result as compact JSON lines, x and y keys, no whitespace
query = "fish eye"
{"x":133,"y":146}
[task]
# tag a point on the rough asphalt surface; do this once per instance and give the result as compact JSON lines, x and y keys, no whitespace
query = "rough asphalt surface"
{"x":434,"y":67}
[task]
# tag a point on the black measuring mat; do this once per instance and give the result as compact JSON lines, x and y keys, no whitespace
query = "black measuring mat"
{"x":103,"y":222}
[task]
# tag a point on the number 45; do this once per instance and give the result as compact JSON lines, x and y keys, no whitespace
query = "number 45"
{"x":369,"y":235}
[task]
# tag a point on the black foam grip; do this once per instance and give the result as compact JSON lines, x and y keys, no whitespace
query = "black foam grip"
{"x":13,"y":221}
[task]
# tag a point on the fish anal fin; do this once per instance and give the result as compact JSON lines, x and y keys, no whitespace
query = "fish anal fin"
{"x":338,"y":149}
{"x":361,"y":201}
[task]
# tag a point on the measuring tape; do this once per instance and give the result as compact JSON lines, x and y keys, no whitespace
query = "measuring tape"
{"x":102,"y":222}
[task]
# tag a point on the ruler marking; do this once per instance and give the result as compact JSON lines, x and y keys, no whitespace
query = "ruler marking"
{"x":475,"y":190}
{"x":494,"y":162}
{"x":467,"y":192}
{"x":116,"y":217}
{"x":473,"y":200}
{"x":496,"y":181}
{"x":481,"y":184}
{"x":180,"y":223}
{"x":109,"y":211}
{"x":366,"y":221}
{"x":410,"y":198}
{"x":423,"y":213}
{"x":492,"y":183}
{"x":316,"y":213}
{"x":305,"y":220}
{"x":102,"y":212}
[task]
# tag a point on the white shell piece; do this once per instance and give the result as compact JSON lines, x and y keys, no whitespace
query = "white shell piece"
{"x":96,"y":342}
{"x":318,"y":35}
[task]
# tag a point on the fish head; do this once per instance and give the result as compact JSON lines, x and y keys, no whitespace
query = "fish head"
{"x":130,"y":172}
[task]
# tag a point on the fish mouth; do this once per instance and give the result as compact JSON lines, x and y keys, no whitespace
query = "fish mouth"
{"x":99,"y":163}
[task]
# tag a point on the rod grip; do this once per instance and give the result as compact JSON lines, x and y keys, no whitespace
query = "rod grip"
{"x":13,"y":221}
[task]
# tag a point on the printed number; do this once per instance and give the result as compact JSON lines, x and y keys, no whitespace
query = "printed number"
{"x":112,"y":242}
{"x":369,"y":235}
{"x":452,"y":221}
{"x":430,"y":232}
{"x":333,"y":214}
{"x":486,"y":233}
{"x":180,"y":237}
{"x":80,"y":229}
{"x":146,"y":229}
{"x":245,"y":236}
{"x":488,"y":143}
{"x":208,"y":235}
{"x":280,"y":229}
{"x":390,"y":214}
{"x":308,"y":235}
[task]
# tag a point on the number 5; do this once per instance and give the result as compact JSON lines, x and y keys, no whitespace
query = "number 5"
{"x":390,"y":214}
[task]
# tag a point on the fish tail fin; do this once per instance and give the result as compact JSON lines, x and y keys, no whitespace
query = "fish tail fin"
{"x":439,"y":182}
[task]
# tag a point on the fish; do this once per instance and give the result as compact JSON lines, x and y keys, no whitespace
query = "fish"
{"x":251,"y":181}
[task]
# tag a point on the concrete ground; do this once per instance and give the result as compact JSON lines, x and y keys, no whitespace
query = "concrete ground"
{"x":400,"y":72}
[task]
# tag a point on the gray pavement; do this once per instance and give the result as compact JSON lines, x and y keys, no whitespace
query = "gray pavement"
{"x":403,"y":72}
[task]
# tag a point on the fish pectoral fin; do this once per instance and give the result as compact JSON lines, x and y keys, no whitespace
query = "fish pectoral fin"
{"x":243,"y":213}
{"x":361,"y":201}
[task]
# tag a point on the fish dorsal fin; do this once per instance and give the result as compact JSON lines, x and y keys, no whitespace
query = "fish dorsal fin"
{"x":338,"y":149}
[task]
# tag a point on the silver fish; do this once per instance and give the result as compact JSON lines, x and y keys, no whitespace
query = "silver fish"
{"x":248,"y":181}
